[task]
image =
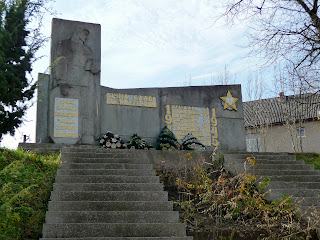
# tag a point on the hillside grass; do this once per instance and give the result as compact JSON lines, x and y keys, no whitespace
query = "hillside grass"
{"x":26,"y":181}
{"x":310,"y":158}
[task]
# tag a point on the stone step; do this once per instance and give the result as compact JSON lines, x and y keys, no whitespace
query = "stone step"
{"x":307,"y":201}
{"x":106,"y":165}
{"x":112,"y":217}
{"x":86,"y":150}
{"x":294,"y":185}
{"x":277,"y":193}
{"x":102,"y":166}
{"x":76,"y":230}
{"x":108,"y":187}
{"x":256,"y":153}
{"x":263,"y":156}
{"x":281,"y":167}
{"x":106,"y":179}
{"x":122,"y":238}
{"x":310,"y":209}
{"x":287,"y":176}
{"x":292,"y":178}
{"x":96,"y":149}
{"x":99,"y":150}
{"x":284,"y":167}
{"x":105,"y":160}
{"x":106,"y":172}
{"x":270,"y":172}
{"x":267,"y":161}
{"x":109,"y":196}
{"x":110,"y":206}
{"x":120,"y":154}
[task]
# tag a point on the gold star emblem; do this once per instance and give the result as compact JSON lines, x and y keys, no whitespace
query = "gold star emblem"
{"x":229,"y":102}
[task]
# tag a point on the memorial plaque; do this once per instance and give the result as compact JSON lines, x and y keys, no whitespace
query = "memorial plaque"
{"x":66,"y":118}
{"x":183,"y":120}
{"x":131,"y":100}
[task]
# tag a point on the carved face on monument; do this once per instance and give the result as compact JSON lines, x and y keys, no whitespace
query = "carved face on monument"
{"x":83,"y":35}
{"x":80,"y":35}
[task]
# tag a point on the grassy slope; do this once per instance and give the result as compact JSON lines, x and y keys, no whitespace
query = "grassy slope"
{"x":25,"y":184}
{"x":310,"y":158}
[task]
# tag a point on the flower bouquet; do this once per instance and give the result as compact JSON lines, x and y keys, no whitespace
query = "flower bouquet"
{"x":109,"y":140}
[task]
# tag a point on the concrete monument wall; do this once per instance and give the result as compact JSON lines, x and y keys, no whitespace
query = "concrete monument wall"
{"x":74,"y":109}
{"x":201,"y":111}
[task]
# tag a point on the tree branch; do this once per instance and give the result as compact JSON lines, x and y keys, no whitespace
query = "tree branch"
{"x":315,"y":6}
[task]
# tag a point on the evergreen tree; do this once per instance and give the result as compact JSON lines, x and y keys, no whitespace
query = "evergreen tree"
{"x":17,"y":50}
{"x":167,"y":140}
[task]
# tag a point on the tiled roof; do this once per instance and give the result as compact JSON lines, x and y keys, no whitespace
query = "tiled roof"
{"x":273,"y":110}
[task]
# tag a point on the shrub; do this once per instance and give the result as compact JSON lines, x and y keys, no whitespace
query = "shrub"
{"x":26,"y":181}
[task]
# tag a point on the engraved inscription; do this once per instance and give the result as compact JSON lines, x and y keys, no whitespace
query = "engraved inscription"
{"x":182,"y":120}
{"x":131,"y":100}
{"x":66,"y":118}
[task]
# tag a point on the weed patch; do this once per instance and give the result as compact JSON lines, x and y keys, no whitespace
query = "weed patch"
{"x":208,"y":199}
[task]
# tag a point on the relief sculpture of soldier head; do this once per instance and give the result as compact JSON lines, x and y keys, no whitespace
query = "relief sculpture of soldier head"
{"x":75,"y":63}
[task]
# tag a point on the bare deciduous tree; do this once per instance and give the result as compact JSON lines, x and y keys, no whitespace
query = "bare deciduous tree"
{"x":282,"y":31}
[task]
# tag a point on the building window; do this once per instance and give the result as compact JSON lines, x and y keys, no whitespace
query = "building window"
{"x":253,"y":142}
{"x":301,"y":132}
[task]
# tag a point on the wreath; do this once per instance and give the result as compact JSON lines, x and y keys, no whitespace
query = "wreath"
{"x":190,"y":142}
{"x":110,"y":140}
{"x":136,"y":142}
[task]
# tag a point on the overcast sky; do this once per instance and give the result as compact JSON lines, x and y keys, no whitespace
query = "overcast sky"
{"x":147,"y":43}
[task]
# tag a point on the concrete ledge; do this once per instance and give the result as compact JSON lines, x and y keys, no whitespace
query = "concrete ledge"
{"x":95,"y":151}
{"x":41,"y":147}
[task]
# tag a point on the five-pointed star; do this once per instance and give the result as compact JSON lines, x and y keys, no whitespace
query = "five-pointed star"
{"x":229,"y":101}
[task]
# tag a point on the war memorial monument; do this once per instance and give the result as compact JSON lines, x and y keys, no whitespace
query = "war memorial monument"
{"x":73,"y":108}
{"x":115,"y":194}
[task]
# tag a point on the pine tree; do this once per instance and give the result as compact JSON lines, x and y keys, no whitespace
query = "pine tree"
{"x":16,"y":56}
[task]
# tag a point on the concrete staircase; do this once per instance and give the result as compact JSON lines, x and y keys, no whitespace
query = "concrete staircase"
{"x":287,"y":175}
{"x":104,"y":194}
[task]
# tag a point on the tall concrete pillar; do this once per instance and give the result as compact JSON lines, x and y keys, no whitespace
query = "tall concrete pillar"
{"x":74,"y":88}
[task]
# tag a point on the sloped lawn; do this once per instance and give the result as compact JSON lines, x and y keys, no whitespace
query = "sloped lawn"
{"x":26,"y":181}
{"x":310,"y":158}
